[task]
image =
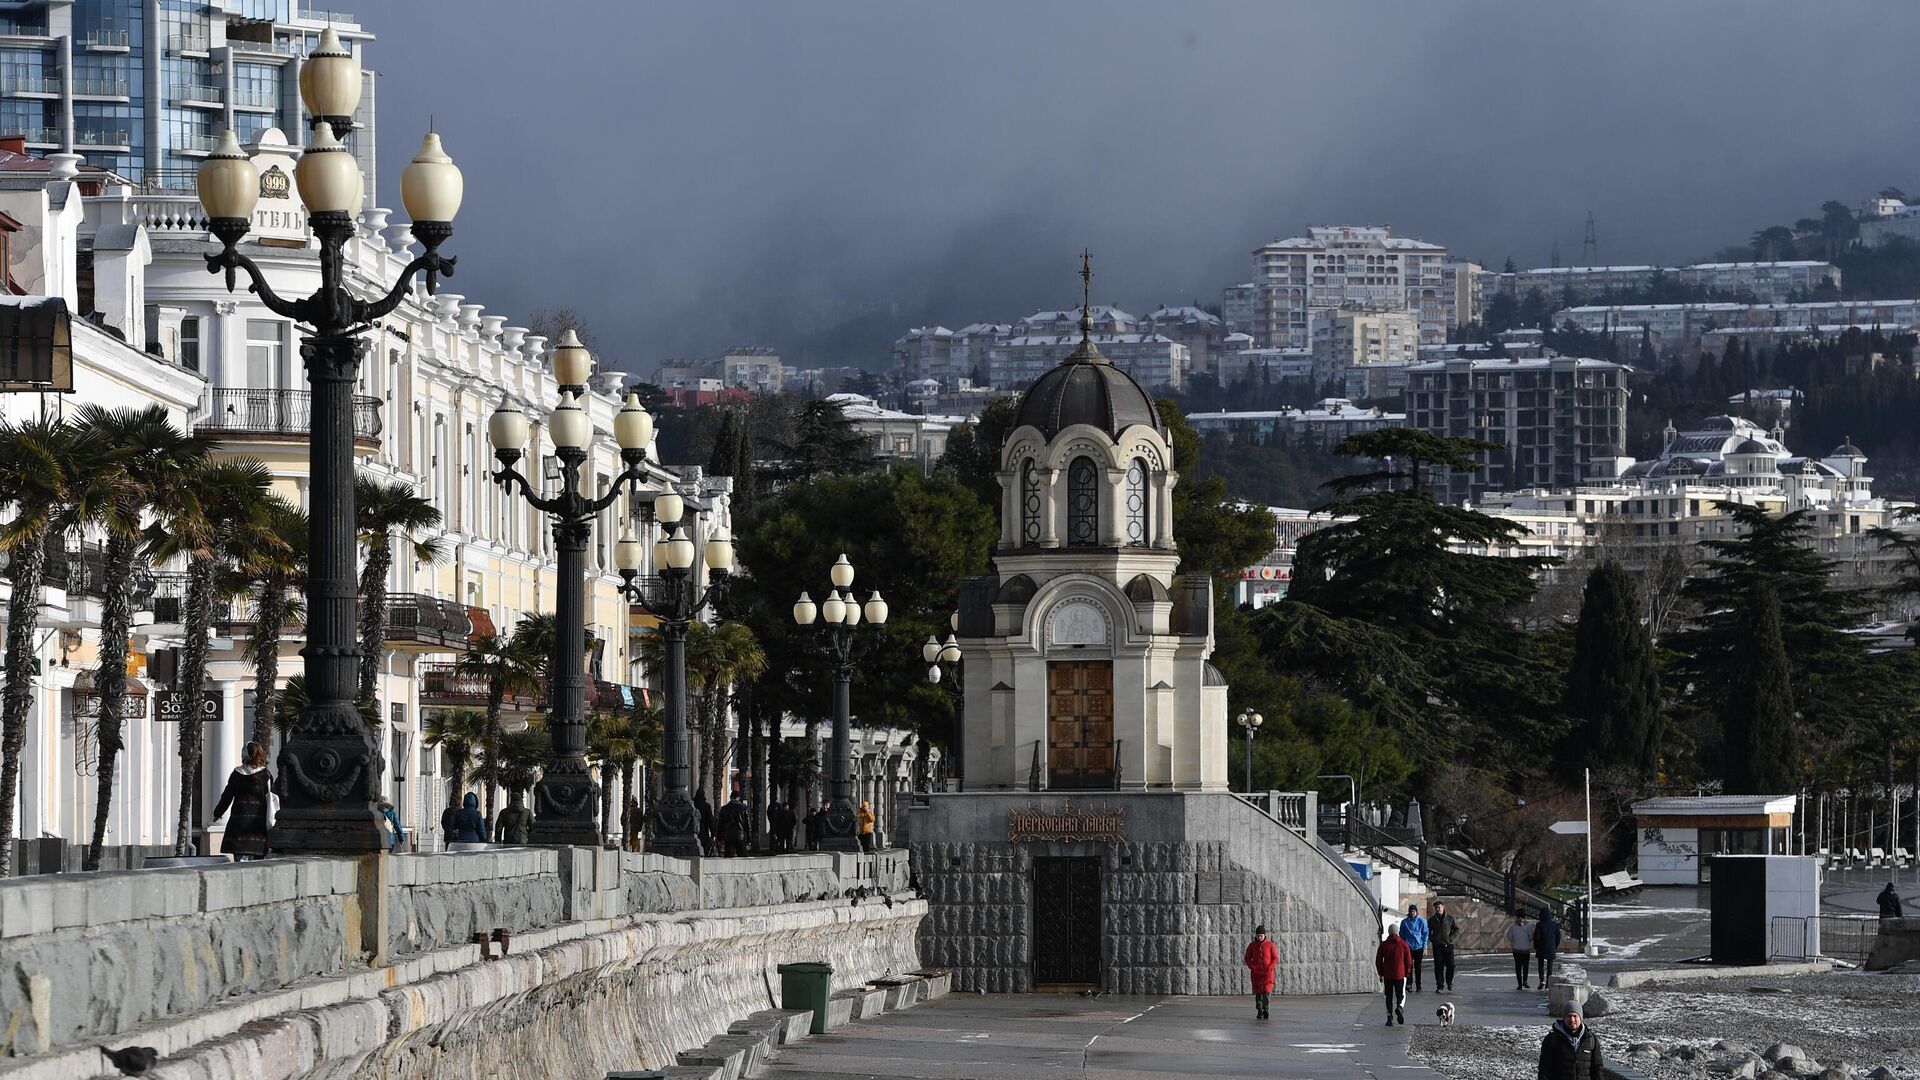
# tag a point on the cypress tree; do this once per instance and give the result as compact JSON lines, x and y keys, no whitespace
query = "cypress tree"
{"x":1762,"y":753}
{"x":1612,"y":686}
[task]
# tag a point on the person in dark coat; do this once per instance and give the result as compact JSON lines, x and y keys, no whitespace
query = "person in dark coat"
{"x":1393,"y":960}
{"x":249,"y":794}
{"x":1571,"y":1051}
{"x":733,"y":826}
{"x":783,"y":823}
{"x":470,"y":825}
{"x":1546,"y":945}
{"x":1261,"y":958}
{"x":1443,"y":932}
{"x":1889,"y":903}
{"x":701,"y":804}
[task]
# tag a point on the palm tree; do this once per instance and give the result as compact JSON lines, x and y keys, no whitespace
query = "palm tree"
{"x":387,"y":511}
{"x":729,"y":653}
{"x":279,"y":570}
{"x":612,"y":739}
{"x":220,"y":518}
{"x":646,"y":732}
{"x":506,"y":665}
{"x":52,"y":475}
{"x":152,"y":456}
{"x":459,"y":732}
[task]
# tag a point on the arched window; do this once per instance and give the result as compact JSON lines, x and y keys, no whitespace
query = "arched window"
{"x":1136,"y":504}
{"x":1083,"y":503}
{"x":1029,"y":504}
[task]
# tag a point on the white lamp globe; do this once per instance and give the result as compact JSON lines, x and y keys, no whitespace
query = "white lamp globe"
{"x":720,"y":551}
{"x":228,"y":182}
{"x":950,"y":652}
{"x":628,"y":554}
{"x":660,"y":554}
{"x":330,"y":78}
{"x":431,"y":185}
{"x":632,"y":425}
{"x":680,"y":551}
{"x":852,"y":610}
{"x":842,"y":572}
{"x":572,"y":363}
{"x":569,"y":427}
{"x":507,"y":428}
{"x":833,"y":609}
{"x":931,"y":650}
{"x":804,"y":610}
{"x":876,"y":609}
{"x":327,"y":175}
{"x":667,"y":508}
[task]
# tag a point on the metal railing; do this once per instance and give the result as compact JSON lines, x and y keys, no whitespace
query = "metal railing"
{"x":446,"y":685}
{"x":237,"y":410}
{"x":246,"y":97}
{"x":100,"y":88}
{"x":411,"y":616}
{"x":185,"y":43}
{"x":105,"y":39}
{"x":82,"y":137}
{"x":192,"y":142}
{"x":209,"y":95}
{"x":1436,"y":865}
{"x":44,"y":136}
{"x":169,"y":596}
{"x":88,"y":572}
{"x":30,"y":84}
{"x":1836,"y":937}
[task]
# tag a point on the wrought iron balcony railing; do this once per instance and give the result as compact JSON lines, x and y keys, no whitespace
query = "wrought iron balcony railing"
{"x":245,"y":412}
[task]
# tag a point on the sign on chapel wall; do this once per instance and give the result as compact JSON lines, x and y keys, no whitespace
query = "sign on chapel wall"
{"x":279,"y":215}
{"x":1107,"y":824}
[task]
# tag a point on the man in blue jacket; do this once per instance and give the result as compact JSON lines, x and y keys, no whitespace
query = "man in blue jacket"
{"x":1413,"y":931}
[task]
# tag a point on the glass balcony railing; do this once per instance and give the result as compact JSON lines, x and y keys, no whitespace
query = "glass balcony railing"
{"x":100,"y":88}
{"x":105,"y":39}
{"x":31,"y":84}
{"x":104,"y":139}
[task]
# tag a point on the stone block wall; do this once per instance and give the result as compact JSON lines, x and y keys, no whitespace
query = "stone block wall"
{"x":440,"y":899}
{"x":84,"y":957}
{"x":1180,"y":896}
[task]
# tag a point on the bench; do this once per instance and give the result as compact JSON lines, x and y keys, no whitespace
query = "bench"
{"x":1623,"y":881}
{"x":1902,"y":858}
{"x":1876,"y":858}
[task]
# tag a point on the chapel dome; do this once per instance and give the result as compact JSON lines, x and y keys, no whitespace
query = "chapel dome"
{"x":1086,"y":388}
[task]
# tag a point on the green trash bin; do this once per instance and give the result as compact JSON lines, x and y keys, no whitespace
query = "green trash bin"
{"x":807,"y":985}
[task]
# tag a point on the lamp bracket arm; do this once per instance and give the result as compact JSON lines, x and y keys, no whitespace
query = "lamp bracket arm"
{"x":434,"y":263}
{"x":510,"y":478}
{"x":229,"y":259}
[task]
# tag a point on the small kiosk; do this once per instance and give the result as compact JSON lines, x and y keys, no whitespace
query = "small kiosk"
{"x":1680,"y":835}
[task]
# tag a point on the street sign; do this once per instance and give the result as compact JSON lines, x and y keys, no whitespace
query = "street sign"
{"x":1569,"y":828}
{"x":170,"y":706}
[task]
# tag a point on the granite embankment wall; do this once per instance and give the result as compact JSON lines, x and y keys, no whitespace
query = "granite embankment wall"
{"x":1179,"y":897}
{"x":364,"y":968}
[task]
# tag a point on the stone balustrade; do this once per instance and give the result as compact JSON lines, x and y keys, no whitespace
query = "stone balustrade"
{"x":185,"y":958}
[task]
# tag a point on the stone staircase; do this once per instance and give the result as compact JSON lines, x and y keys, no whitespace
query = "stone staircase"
{"x":749,"y":1044}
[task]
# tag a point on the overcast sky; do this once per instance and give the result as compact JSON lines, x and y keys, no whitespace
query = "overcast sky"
{"x":819,"y":176}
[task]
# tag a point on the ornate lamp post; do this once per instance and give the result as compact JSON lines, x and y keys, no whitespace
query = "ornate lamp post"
{"x":566,"y":798}
{"x":941,"y":656}
{"x":676,"y":601}
{"x":840,"y":613}
{"x":330,"y":759}
{"x":1250,"y":723}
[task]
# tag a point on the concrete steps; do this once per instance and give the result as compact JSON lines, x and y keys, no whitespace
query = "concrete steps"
{"x":750,"y":1043}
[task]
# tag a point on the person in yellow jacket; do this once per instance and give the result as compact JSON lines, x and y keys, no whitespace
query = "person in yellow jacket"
{"x":866,"y":826}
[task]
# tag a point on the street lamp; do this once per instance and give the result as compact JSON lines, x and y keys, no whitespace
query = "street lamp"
{"x":566,"y":799}
{"x":331,"y":760}
{"x":840,"y":613}
{"x":1250,"y":723}
{"x":939,"y":657}
{"x":676,"y":601}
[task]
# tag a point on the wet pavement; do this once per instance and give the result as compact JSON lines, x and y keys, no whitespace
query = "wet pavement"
{"x":1017,"y":1037}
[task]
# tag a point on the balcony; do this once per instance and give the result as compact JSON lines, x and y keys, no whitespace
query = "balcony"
{"x":242,"y":415}
{"x":100,"y":88}
{"x":101,"y":140}
{"x":190,"y":44}
{"x":44,"y":136}
{"x":445,"y":686}
{"x":250,"y":98}
{"x":614,"y":697}
{"x":169,"y":597}
{"x":105,"y":40}
{"x":31,"y":85}
{"x":195,"y":143}
{"x":426,"y":624}
{"x":199,"y":97}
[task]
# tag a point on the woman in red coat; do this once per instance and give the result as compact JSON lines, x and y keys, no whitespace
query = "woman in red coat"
{"x":1261,"y":958}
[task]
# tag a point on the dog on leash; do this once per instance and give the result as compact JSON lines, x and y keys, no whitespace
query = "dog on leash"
{"x":1445,"y":1013}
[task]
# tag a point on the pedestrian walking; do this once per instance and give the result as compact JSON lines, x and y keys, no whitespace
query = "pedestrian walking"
{"x":1889,"y":903}
{"x":249,"y":794}
{"x":1546,"y":945}
{"x":1443,"y":933}
{"x":514,"y":823}
{"x":469,"y":824}
{"x":1413,"y":931}
{"x":636,"y":821}
{"x":1571,"y":1051}
{"x":1392,"y":960}
{"x":866,"y":825}
{"x":705,"y":808}
{"x":392,"y":816}
{"x":1520,"y":940}
{"x":783,"y":827}
{"x":816,"y":824}
{"x":1261,"y":959}
{"x":733,"y":826}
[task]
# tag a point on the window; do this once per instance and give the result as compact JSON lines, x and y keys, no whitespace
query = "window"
{"x":1083,"y":503}
{"x":190,"y":343}
{"x":263,"y":353}
{"x":1136,"y":505}
{"x":1029,"y":504}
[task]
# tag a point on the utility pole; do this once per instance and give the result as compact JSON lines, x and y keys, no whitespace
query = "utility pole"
{"x":1554,"y":258}
{"x":1590,"y":247}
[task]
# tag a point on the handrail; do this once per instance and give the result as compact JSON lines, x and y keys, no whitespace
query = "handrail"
{"x":1440,"y":865}
{"x":283,"y":412}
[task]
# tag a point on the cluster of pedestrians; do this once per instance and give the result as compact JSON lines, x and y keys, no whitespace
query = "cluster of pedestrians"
{"x":1539,"y":942}
{"x":726,"y":833}
{"x":1401,"y":957}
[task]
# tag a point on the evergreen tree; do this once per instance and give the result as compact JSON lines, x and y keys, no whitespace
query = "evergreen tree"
{"x":1762,"y":753}
{"x":1612,"y":686}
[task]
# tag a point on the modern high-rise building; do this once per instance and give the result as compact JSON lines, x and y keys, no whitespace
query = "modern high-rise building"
{"x":144,"y":87}
{"x":1341,"y":266}
{"x":1549,"y":420}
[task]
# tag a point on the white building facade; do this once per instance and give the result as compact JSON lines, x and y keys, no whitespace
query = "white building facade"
{"x":1341,"y":266}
